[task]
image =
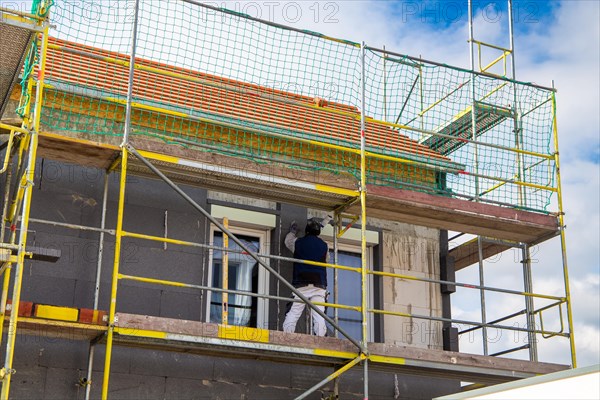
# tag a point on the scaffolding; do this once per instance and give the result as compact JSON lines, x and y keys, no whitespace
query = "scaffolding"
{"x":439,"y":150}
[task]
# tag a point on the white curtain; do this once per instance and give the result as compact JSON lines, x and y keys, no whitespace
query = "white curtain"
{"x":241,"y":313}
{"x":241,"y":267}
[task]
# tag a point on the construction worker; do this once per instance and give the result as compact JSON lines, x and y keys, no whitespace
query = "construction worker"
{"x":310,"y":280}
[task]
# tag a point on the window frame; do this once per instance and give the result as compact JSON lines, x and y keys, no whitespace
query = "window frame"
{"x":353,"y":247}
{"x":262,"y":304}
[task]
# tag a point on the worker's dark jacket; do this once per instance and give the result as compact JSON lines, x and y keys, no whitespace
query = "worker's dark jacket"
{"x":310,"y":248}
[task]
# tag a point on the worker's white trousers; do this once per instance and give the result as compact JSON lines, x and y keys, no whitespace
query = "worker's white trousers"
{"x":314,"y":294}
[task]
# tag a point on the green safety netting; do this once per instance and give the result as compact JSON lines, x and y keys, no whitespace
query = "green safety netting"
{"x":40,"y":8}
{"x":252,"y":89}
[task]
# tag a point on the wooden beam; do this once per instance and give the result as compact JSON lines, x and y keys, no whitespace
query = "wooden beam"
{"x":458,"y":215}
{"x":211,"y":339}
{"x":465,"y":361}
{"x":78,"y":151}
{"x":208,"y":338}
{"x":324,"y":177}
{"x":58,"y":329}
{"x":468,"y":253}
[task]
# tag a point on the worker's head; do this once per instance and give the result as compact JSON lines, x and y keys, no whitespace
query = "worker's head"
{"x":313,"y":227}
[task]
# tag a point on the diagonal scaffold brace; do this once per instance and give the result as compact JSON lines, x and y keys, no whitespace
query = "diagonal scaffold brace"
{"x":245,"y":248}
{"x":336,"y":374}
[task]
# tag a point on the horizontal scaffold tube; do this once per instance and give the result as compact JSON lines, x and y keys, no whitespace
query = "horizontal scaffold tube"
{"x":465,"y":285}
{"x":290,"y":259}
{"x":72,"y":226}
{"x":211,"y":247}
{"x":243,"y":246}
{"x":558,"y":303}
{"x":422,"y":62}
{"x":14,"y":128}
{"x":509,"y":316}
{"x":418,"y":60}
{"x":21,"y":14}
{"x":164,"y":282}
{"x":458,"y":321}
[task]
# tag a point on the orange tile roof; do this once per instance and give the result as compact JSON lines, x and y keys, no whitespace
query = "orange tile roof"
{"x":225,"y":98}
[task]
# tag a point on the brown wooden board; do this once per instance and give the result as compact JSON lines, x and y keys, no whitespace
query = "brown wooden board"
{"x":468,"y":253}
{"x":77,"y":151}
{"x":458,"y":215}
{"x":57,"y":329}
{"x":292,"y":348}
{"x":276,"y":182}
{"x":469,"y":367}
{"x":270,"y":168}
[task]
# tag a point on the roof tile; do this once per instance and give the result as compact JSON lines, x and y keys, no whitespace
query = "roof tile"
{"x":226,"y":98}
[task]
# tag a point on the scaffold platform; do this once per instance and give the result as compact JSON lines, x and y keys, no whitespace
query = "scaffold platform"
{"x":460,"y":127}
{"x":320,"y":190}
{"x":202,"y":338}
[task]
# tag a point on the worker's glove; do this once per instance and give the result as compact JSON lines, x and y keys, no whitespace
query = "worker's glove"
{"x":294,"y":227}
{"x":328,"y":220}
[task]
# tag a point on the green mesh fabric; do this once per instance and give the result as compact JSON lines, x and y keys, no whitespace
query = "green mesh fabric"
{"x":267,"y":92}
{"x":40,"y":8}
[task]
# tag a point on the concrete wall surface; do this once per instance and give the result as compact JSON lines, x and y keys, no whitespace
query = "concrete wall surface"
{"x":51,"y":368}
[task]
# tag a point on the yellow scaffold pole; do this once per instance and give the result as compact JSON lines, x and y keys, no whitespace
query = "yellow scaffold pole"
{"x":563,"y":240}
{"x":119,"y":234}
{"x":363,"y":226}
{"x":225,"y":277}
{"x":115,"y":274}
{"x":12,"y":209}
{"x":26,"y":183}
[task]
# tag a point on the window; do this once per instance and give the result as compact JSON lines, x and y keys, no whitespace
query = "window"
{"x":349,"y":290}
{"x":244,"y":275}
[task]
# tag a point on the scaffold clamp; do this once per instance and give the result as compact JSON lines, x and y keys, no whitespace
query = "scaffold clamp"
{"x":4,"y":372}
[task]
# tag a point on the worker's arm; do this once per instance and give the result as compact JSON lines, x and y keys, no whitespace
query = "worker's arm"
{"x":290,"y":241}
{"x":290,"y":238}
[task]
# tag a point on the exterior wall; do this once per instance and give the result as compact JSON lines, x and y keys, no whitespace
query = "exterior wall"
{"x":414,"y":251}
{"x":241,"y":201}
{"x":51,"y":368}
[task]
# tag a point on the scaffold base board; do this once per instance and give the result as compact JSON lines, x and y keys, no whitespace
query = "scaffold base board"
{"x":458,"y":215}
{"x":243,"y":342}
{"x":211,"y":339}
{"x":467,"y":253}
